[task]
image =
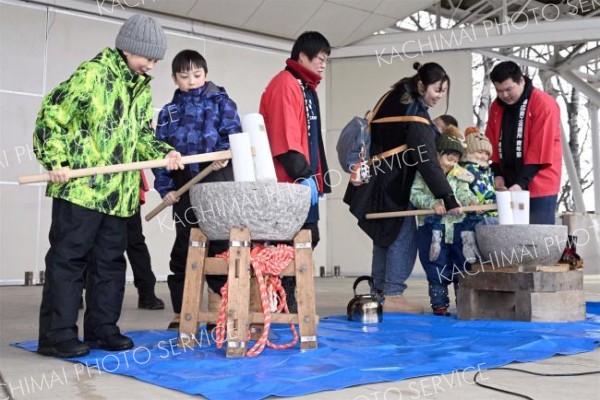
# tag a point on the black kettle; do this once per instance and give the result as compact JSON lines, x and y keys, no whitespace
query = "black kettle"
{"x":365,"y":308}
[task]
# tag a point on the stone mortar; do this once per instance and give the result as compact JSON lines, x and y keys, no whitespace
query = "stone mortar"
{"x":504,"y":245}
{"x":271,"y":210}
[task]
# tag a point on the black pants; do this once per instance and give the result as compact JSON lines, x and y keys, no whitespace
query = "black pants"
{"x":185,"y":220}
{"x":74,"y":233}
{"x":139,"y":257}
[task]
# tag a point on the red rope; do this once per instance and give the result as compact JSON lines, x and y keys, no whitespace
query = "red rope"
{"x":269,"y":261}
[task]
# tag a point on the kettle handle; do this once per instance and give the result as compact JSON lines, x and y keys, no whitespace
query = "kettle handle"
{"x":361,"y":278}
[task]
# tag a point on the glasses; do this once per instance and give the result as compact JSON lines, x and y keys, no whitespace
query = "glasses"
{"x":323,"y":60}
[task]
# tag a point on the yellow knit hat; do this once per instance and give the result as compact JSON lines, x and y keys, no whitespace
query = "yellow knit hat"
{"x":477,"y":141}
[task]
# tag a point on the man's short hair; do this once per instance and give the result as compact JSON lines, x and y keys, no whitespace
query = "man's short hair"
{"x":506,"y":70}
{"x":310,"y":43}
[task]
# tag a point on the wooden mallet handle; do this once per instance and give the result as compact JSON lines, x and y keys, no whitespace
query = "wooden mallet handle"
{"x":110,"y":169}
{"x":201,"y":175}
{"x":410,"y":213}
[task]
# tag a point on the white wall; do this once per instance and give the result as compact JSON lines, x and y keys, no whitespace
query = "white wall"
{"x":37,"y":62}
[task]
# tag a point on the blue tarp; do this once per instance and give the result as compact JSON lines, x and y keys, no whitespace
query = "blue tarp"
{"x":403,"y":346}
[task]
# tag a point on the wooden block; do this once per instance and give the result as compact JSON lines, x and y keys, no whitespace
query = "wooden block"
{"x":256,"y":317}
{"x":480,"y":268}
{"x":218,"y":266}
{"x":466,"y":303}
{"x":239,"y":292}
{"x":578,"y":265}
{"x":305,"y":290}
{"x":484,"y":304}
{"x":498,"y":281}
{"x":554,"y":282}
{"x":193,"y":288}
{"x":524,"y":296}
{"x":562,"y":306}
{"x":523,"y":281}
{"x":519,"y":268}
{"x":545,"y":268}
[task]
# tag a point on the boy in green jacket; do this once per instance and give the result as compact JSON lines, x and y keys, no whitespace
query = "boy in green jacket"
{"x":100,"y":116}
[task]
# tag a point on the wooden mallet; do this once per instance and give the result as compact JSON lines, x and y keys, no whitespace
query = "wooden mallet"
{"x":201,"y":175}
{"x":111,"y":169}
{"x":410,"y":213}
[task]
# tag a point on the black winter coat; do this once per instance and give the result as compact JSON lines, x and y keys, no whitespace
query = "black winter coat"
{"x":392,"y":178}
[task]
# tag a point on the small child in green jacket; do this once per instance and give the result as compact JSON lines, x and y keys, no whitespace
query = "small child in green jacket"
{"x":439,"y":236}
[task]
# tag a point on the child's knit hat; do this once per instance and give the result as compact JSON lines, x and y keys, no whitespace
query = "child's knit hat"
{"x":142,"y":36}
{"x":448,"y":143}
{"x":477,"y":141}
{"x":454,"y":132}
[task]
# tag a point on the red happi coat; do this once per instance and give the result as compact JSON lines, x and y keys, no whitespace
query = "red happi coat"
{"x":282,"y":107}
{"x":541,"y":141}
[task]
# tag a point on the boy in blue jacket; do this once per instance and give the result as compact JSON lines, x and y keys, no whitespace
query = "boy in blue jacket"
{"x":198,"y":120}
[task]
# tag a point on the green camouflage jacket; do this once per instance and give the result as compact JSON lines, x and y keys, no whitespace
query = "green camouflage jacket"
{"x":100,"y":116}
{"x":422,"y":198}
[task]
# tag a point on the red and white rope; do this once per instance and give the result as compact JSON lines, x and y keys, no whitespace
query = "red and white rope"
{"x":267,"y":263}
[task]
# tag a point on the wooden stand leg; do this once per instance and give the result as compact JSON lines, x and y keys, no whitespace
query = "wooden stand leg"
{"x":256,"y":330}
{"x":305,"y":290}
{"x":193,"y":289}
{"x":242,"y":306}
{"x":239,"y":292}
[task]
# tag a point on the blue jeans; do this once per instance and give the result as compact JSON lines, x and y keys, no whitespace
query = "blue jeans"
{"x":542,"y":210}
{"x":392,"y":265}
{"x":447,"y":268}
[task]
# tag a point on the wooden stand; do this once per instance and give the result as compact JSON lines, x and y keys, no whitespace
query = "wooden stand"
{"x":239,"y":315}
{"x":541,"y":294}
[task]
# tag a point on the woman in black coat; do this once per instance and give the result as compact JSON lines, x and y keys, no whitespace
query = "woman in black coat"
{"x":395,"y":239}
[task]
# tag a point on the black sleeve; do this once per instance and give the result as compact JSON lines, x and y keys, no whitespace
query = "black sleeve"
{"x":496,"y":170}
{"x":527,"y":174}
{"x":295,"y":165}
{"x":421,"y":144}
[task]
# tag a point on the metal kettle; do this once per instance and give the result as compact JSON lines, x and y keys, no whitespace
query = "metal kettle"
{"x":365,"y":308}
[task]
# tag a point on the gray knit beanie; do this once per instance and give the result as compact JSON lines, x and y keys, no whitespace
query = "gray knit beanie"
{"x":142,"y":36}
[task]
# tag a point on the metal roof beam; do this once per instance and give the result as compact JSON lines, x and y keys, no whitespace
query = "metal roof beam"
{"x":489,"y":35}
{"x":588,"y":90}
{"x":518,"y":60}
{"x":502,"y":10}
{"x":579,"y":60}
{"x":473,"y":11}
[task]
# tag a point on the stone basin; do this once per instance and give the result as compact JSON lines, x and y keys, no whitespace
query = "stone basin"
{"x":271,"y":210}
{"x":528,"y":245}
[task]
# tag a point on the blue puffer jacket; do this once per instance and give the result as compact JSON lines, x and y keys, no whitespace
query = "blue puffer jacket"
{"x":195,"y":122}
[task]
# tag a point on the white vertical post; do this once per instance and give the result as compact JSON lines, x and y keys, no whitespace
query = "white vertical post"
{"x":572,"y":173}
{"x":593,"y":108}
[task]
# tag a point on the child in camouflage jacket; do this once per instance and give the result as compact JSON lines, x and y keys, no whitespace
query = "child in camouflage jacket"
{"x":100,"y":116}
{"x":440,"y":238}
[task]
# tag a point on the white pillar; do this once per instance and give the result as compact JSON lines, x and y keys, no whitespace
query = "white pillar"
{"x":572,"y":173}
{"x":595,"y":154}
